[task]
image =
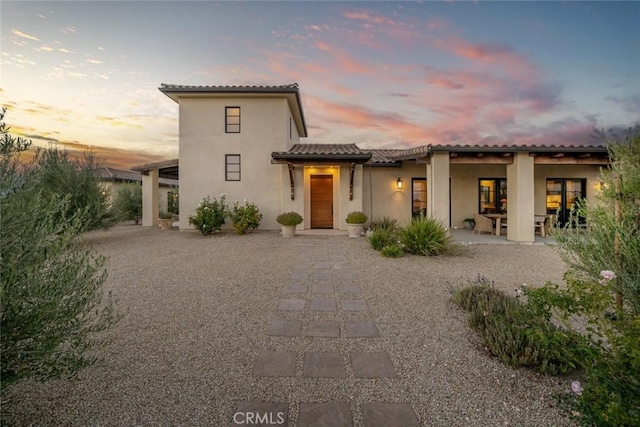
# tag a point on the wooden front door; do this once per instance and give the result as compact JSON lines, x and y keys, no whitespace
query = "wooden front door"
{"x":321,"y":201}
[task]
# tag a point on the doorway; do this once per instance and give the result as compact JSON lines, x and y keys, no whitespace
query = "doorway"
{"x":321,"y":201}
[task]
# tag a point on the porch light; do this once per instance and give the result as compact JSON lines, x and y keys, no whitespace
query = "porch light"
{"x":399,"y":183}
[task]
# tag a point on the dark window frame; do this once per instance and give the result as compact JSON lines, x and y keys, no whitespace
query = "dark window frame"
{"x":415,"y":213}
{"x":563,"y":211}
{"x":498,"y":196}
{"x":227,"y":116}
{"x":227,"y":163}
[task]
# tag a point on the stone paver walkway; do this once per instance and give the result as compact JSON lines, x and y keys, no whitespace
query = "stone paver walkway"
{"x":322,"y":282}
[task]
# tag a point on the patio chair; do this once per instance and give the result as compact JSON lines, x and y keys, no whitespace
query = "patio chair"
{"x":483,"y":224}
{"x":538,"y":224}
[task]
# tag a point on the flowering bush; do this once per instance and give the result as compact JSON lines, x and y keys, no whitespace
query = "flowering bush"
{"x":245,"y":217}
{"x":602,"y":288}
{"x":210,"y":215}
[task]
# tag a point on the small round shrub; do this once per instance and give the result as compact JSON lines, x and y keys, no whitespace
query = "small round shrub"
{"x":425,"y":236}
{"x":245,"y":217}
{"x":210,"y":215}
{"x":289,"y":218}
{"x":392,"y":251}
{"x":356,"y":217}
{"x":381,"y":238}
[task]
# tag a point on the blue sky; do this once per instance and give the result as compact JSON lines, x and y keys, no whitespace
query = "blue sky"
{"x":380,"y":74}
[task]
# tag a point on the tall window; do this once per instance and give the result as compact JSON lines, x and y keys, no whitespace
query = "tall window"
{"x":493,"y":196}
{"x":232,"y":119}
{"x":232,"y":167}
{"x":562,"y":194}
{"x":418,"y":196}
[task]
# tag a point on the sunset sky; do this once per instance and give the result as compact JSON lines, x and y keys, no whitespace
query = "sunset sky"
{"x":379,"y":74}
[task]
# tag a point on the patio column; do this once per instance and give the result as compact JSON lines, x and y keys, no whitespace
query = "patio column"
{"x":150,"y":198}
{"x":438,"y":187}
{"x":520,"y":210}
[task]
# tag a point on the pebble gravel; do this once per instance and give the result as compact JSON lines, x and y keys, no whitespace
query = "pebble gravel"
{"x":197,"y":311}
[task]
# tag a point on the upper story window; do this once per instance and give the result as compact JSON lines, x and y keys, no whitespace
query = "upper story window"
{"x":232,"y":120}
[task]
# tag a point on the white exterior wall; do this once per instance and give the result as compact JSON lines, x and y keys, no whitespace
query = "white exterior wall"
{"x":203,"y":144}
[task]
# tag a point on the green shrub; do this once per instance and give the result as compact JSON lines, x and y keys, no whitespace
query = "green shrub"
{"x":356,"y":217}
{"x":173,"y":202}
{"x":518,"y":336}
{"x":165,"y":215}
{"x":384,"y":223}
{"x":51,"y":298}
{"x":53,"y":172}
{"x":392,"y":251}
{"x":245,"y":217}
{"x":381,"y":238}
{"x":127,"y":203}
{"x":602,"y":287}
{"x":210,"y":215}
{"x":289,"y":218}
{"x":425,"y":236}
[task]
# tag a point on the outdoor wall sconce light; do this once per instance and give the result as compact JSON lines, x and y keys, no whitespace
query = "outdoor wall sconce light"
{"x":399,"y":183}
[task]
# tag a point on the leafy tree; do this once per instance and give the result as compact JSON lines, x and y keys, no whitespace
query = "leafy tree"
{"x":54,"y":172}
{"x":51,"y":298}
{"x":127,"y":203}
{"x":603,"y":287}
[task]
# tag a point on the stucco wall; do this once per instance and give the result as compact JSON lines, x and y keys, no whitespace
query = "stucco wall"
{"x":204,"y":143}
{"x":543,"y":172}
{"x":381,"y":196}
{"x":464,"y":185}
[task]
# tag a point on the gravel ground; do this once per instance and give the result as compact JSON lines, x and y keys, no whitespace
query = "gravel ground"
{"x":197,"y":310}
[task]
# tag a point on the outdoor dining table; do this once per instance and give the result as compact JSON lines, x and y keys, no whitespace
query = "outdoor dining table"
{"x":497,"y":219}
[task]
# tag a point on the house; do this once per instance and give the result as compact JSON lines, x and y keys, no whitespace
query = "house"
{"x":244,"y":141}
{"x":112,"y":179}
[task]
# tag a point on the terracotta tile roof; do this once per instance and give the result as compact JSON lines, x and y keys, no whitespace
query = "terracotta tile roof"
{"x":325,"y":149}
{"x":384,"y":156}
{"x":165,"y":87}
{"x":323,"y":152}
{"x":596,"y":147}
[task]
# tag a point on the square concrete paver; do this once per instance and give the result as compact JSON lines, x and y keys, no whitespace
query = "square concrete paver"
{"x":318,"y":304}
{"x":372,"y":365}
{"x":323,"y":328}
{"x":324,"y":364}
{"x":349,"y":289}
{"x":321,"y":289}
{"x":296,"y":288}
{"x":275,"y":364}
{"x":260,"y":414}
{"x":291,"y":304}
{"x":354,"y":305}
{"x":322,"y":266}
{"x":345,"y":275}
{"x":389,"y":415}
{"x":364,"y":329}
{"x":285,"y":328}
{"x":325,"y":415}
